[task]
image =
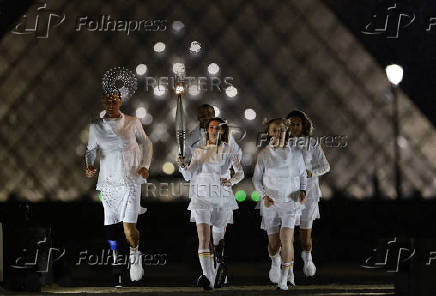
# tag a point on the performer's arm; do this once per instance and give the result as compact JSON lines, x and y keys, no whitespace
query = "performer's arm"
{"x":91,"y":149}
{"x":258,"y":175}
{"x":235,"y":147}
{"x":91,"y":152}
{"x":302,"y":172}
{"x":239,"y":171}
{"x":320,"y":165}
{"x":303,"y":178}
{"x":188,"y":170}
{"x":146,"y":145}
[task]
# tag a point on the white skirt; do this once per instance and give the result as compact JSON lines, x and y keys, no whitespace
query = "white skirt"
{"x":122,"y":203}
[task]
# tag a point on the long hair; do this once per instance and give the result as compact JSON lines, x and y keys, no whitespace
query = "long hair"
{"x":305,"y":120}
{"x":223,"y":124}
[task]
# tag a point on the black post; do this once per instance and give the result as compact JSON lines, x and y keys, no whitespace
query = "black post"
{"x":397,"y":155}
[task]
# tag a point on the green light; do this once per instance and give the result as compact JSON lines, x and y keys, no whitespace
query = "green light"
{"x":100,"y":196}
{"x":255,"y":196}
{"x":240,"y":195}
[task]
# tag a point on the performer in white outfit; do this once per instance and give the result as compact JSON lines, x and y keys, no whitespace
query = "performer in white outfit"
{"x":197,"y":138}
{"x":280,"y":178}
{"x":125,"y":156}
{"x":316,"y":165}
{"x":212,"y":200}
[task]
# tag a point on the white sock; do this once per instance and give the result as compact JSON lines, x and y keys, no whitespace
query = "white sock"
{"x":285,"y":268}
{"x":133,"y":250}
{"x":217,"y":234}
{"x":204,"y":257}
{"x":307,"y":256}
{"x":276,"y":259}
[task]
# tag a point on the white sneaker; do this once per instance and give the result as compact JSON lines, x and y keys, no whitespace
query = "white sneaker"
{"x":136,"y":270}
{"x":291,"y":278}
{"x":309,"y":268}
{"x":274,"y":271}
{"x":283,"y":283}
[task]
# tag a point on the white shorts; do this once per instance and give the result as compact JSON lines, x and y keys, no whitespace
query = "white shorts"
{"x":217,"y":217}
{"x":122,"y":203}
{"x":308,"y":214}
{"x":273,"y":218}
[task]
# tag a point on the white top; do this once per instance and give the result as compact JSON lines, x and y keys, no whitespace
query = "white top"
{"x":280,"y":173}
{"x":208,"y":165}
{"x":316,"y":162}
{"x":197,"y":138}
{"x":124,"y":148}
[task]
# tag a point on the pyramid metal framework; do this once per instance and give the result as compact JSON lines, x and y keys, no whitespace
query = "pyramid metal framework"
{"x":281,"y":55}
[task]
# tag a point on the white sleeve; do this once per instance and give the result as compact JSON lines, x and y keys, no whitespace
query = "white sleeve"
{"x":302,"y":172}
{"x":145,"y":144}
{"x":257,"y":179}
{"x":239,"y":171}
{"x":320,"y":165}
{"x":189,"y":170}
{"x":91,"y":149}
{"x":235,"y":147}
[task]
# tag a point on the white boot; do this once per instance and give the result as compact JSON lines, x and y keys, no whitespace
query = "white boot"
{"x":274,"y":271}
{"x":309,"y":268}
{"x":136,"y":270}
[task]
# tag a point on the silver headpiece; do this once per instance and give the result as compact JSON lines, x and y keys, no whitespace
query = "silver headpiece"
{"x":121,"y":80}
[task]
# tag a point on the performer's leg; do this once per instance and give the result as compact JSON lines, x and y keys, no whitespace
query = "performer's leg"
{"x":114,"y":236}
{"x":309,"y":268}
{"x":274,"y":254}
{"x":219,"y":246}
{"x":203,"y":232}
{"x":287,"y":254}
{"x":132,"y":236}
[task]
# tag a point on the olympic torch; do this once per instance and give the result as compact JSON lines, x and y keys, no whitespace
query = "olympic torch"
{"x":180,"y":120}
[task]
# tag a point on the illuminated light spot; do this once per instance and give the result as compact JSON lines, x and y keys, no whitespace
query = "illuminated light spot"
{"x":168,"y":168}
{"x":240,"y":195}
{"x":255,"y":196}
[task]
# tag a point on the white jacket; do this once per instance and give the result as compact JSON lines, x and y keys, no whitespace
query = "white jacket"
{"x":280,"y":173}
{"x":124,"y":147}
{"x":316,"y":162}
{"x":208,"y":165}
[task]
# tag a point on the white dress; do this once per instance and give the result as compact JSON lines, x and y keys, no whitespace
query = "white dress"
{"x":208,"y":165}
{"x":317,"y":163}
{"x":124,"y":148}
{"x":280,"y":173}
